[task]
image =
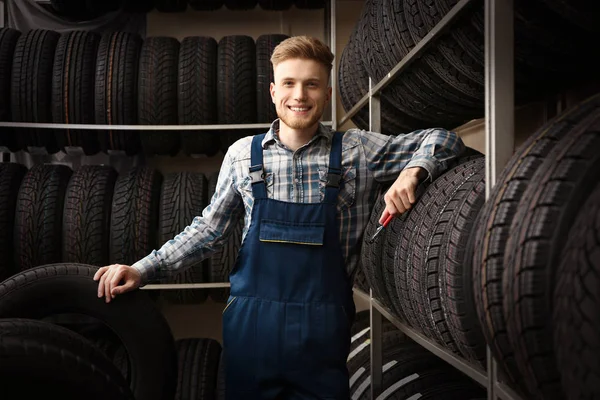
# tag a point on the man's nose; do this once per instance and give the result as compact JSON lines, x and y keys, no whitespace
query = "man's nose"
{"x":299,"y":92}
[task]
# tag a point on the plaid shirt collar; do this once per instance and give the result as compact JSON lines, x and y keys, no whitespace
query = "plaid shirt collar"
{"x":273,"y":135}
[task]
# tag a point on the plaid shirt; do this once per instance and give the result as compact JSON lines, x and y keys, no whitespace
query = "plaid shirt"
{"x":368,"y":159}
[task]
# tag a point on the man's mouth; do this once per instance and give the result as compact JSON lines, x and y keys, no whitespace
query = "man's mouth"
{"x":299,"y":109}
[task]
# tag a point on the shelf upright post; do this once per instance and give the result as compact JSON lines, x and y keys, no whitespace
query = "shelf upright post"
{"x":376,"y":336}
{"x":499,"y":110}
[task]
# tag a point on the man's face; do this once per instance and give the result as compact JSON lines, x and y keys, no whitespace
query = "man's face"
{"x":300,"y":92}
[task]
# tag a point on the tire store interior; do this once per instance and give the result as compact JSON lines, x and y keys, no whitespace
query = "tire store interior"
{"x":116,"y":115}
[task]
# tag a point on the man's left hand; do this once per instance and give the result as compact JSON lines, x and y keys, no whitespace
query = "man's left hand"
{"x":401,"y":195}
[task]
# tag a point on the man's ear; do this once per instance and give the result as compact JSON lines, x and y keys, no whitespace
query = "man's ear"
{"x":272,"y":91}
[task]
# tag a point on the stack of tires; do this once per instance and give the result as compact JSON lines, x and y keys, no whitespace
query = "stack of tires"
{"x":82,"y":77}
{"x":95,"y":216}
{"x":515,"y":272}
{"x":446,"y":85}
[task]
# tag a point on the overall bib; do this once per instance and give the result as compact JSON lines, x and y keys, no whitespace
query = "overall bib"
{"x":286,"y":326}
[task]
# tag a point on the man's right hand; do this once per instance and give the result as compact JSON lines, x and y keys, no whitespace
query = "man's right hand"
{"x":111,"y":277}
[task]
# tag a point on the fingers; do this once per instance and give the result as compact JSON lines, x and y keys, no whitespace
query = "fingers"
{"x":109,"y":278}
{"x":398,"y":201}
{"x":384,"y":216}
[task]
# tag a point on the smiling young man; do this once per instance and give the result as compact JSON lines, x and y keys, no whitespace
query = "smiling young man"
{"x":306,"y":194}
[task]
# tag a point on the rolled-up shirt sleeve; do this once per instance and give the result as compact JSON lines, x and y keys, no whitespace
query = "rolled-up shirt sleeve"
{"x":430,"y":149}
{"x":205,"y":234}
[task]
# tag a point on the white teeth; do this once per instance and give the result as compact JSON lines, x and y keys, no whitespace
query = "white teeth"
{"x":298,"y":109}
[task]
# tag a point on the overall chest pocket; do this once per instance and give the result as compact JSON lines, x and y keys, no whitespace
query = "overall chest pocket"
{"x":347,"y":194}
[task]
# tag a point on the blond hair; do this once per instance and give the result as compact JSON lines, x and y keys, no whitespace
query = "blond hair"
{"x":304,"y":47}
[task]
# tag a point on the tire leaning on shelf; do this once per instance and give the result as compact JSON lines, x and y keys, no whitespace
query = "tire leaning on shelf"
{"x":8,"y":42}
{"x":39,"y":216}
{"x":275,"y":5}
{"x":73,"y":89}
{"x":86,"y":218}
{"x":236,"y":85}
{"x":134,"y":215}
{"x":157,"y":94}
{"x":198,"y":366}
{"x":576,"y":325}
{"x":31,"y":87}
{"x":265,"y":44}
{"x":493,"y":229}
{"x":138,"y":6}
{"x":183,"y":197}
{"x":116,"y":90}
{"x":47,"y":360}
{"x":11,"y":176}
{"x":544,"y":216}
{"x":57,"y":289}
{"x":240,"y":4}
{"x":197,"y":94}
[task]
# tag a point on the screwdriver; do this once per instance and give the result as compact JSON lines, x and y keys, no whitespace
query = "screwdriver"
{"x":381,"y":227}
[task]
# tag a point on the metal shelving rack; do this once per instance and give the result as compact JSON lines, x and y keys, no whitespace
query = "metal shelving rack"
{"x":499,"y":134}
{"x":329,"y":21}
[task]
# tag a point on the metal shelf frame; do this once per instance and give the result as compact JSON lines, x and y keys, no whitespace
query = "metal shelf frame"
{"x":499,"y":136}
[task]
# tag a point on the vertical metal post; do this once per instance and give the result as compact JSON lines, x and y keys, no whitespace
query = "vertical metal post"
{"x":376,"y":350}
{"x":2,"y":14}
{"x":499,"y":88}
{"x":499,"y":108}
{"x":334,"y":72}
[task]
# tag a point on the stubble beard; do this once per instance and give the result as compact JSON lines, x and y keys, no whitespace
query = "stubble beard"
{"x":299,"y":123}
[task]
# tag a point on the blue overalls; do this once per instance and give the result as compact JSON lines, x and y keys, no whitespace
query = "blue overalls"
{"x":286,"y":327}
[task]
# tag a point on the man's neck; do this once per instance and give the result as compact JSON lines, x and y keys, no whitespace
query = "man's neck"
{"x":293,"y":139}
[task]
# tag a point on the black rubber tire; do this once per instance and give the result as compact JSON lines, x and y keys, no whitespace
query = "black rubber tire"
{"x":8,"y":43}
{"x":240,"y":4}
{"x":576,"y":325}
{"x":205,"y":5}
{"x":183,"y":197}
{"x":221,"y":262}
{"x":45,"y":360}
{"x":493,"y":230}
{"x":157,"y":94}
{"x":134,"y":215}
{"x":221,"y":378}
{"x":31,"y":89}
{"x":87,"y":214}
{"x":236,"y":85}
{"x":197,"y":94}
{"x":73,"y":89}
{"x":275,"y":5}
{"x":69,"y":288}
{"x":39,"y":216}
{"x":542,"y":221}
{"x":360,"y":280}
{"x":360,"y":365}
{"x":456,"y":276}
{"x":198,"y":366}
{"x":116,"y":90}
{"x":169,"y":6}
{"x":372,"y":253}
{"x":11,"y":176}
{"x":265,"y":44}
{"x":138,"y":6}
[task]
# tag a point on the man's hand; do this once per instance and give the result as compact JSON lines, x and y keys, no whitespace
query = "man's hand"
{"x":110,"y":278}
{"x":401,"y":195}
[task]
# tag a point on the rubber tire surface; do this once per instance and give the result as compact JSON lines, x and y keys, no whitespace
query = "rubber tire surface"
{"x":69,"y":288}
{"x":183,"y":197}
{"x":575,"y":305}
{"x":265,"y":44}
{"x":73,"y":89}
{"x":197,"y":94}
{"x":198,"y":366}
{"x":8,"y":42}
{"x":11,"y":176}
{"x":87,"y":214}
{"x":134,"y":215}
{"x":39,"y":216}
{"x":41,"y":360}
